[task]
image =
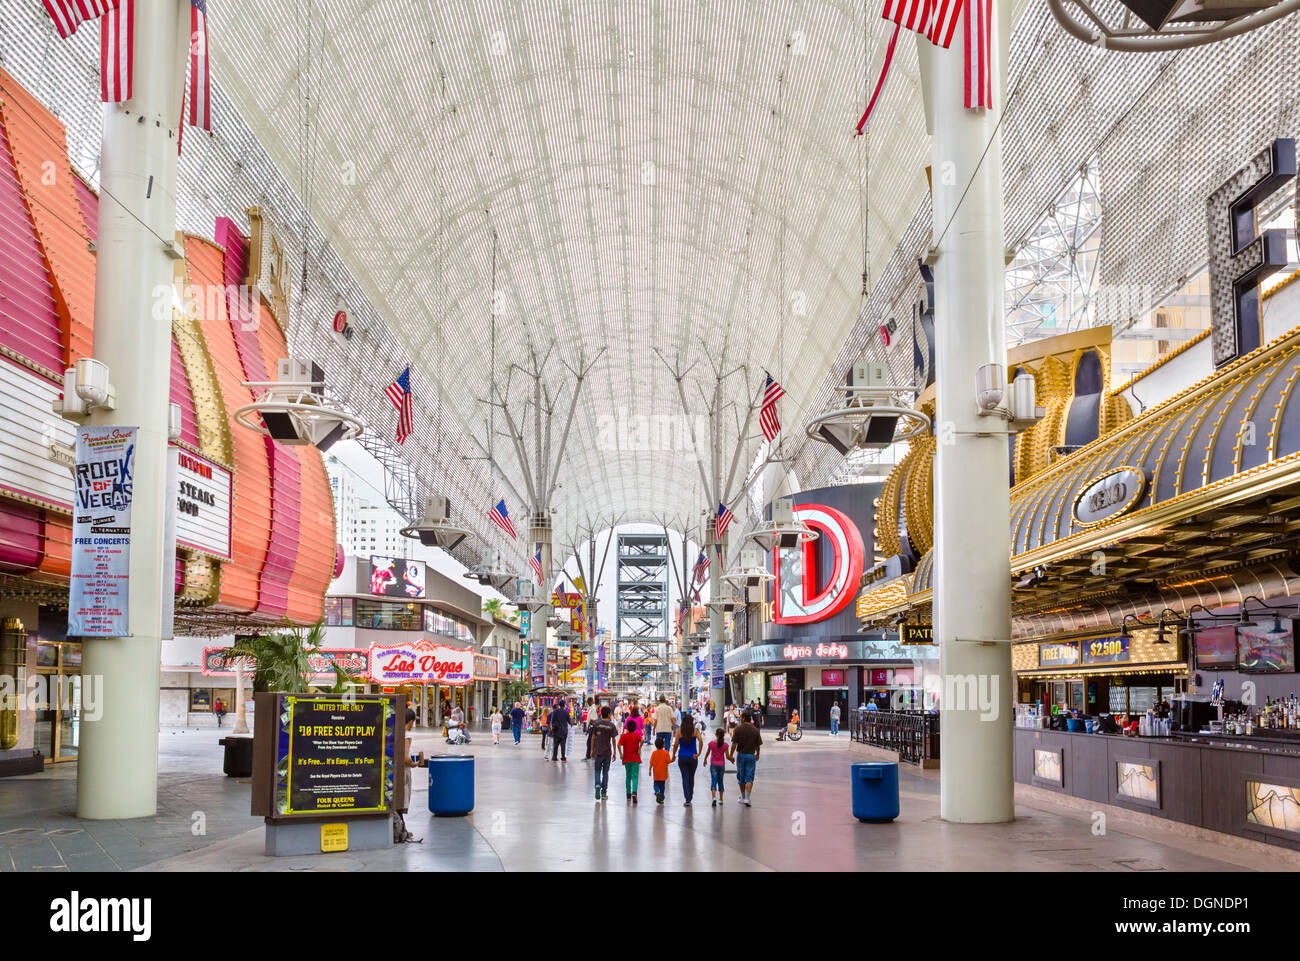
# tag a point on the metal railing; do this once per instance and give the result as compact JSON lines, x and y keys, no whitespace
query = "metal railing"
{"x":914,"y":734}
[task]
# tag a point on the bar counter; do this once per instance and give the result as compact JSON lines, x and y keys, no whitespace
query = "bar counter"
{"x":1248,"y":786}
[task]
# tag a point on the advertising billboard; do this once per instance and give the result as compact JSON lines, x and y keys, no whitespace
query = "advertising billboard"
{"x":396,"y":577}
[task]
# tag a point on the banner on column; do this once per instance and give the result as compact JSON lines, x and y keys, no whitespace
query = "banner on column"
{"x":537,"y":664}
{"x":716,"y":665}
{"x":103,"y":480}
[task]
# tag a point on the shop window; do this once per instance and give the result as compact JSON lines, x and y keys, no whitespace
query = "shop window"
{"x":382,"y":616}
{"x":201,"y":699}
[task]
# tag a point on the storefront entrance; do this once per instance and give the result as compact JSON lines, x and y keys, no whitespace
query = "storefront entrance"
{"x":58,"y":710}
{"x":819,"y":701}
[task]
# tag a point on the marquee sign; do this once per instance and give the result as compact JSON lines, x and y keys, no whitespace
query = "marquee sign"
{"x":801,"y":596}
{"x":203,"y":505}
{"x":421,"y":662}
{"x":1114,"y":493}
{"x":355,"y":661}
{"x":1240,"y":256}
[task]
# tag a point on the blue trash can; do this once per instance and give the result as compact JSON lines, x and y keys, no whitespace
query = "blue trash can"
{"x":451,"y":784}
{"x":875,"y":791}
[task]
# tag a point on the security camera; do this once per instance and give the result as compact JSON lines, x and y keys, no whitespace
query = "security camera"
{"x":92,"y":384}
{"x":990,"y":383}
{"x":173,"y":422}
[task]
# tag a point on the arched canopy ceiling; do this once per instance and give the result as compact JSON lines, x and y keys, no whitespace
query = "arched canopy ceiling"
{"x":643,"y":165}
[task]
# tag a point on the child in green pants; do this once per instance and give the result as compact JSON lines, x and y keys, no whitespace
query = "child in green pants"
{"x":629,"y":752}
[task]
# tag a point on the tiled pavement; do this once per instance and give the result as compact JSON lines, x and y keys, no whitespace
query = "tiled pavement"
{"x":534,"y":815}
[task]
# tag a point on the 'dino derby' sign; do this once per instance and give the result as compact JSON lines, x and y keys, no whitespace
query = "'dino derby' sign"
{"x":421,"y":662}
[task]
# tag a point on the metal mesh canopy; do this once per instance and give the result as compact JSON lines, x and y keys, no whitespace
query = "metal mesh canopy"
{"x":633,"y":159}
{"x":644,"y":165}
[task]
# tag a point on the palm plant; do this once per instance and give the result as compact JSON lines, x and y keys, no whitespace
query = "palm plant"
{"x":494,"y":608}
{"x":281,"y":659}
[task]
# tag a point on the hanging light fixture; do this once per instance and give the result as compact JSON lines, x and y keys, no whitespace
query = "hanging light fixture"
{"x":750,"y":573}
{"x":490,"y":571}
{"x":784,"y":530}
{"x":433,"y":527}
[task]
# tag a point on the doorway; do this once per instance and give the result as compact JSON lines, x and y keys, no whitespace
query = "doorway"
{"x":821,"y":700}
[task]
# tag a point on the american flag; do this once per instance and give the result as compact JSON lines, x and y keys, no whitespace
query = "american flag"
{"x":936,"y":20}
{"x":725,"y":517}
{"x":69,"y":14}
{"x":399,"y":392}
{"x":977,"y":29}
{"x":701,"y":569}
{"x":767,"y":413}
{"x":200,"y":67}
{"x":535,"y":562}
{"x":501,"y":518}
{"x":117,"y":32}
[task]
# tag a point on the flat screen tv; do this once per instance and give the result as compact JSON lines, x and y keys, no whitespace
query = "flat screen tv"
{"x":1267,"y":648}
{"x":1216,"y":648}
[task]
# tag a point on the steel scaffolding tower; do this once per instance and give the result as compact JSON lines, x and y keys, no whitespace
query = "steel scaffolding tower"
{"x":641,"y":644}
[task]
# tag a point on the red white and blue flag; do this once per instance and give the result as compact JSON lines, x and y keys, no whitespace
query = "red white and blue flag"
{"x":936,"y":20}
{"x":70,"y":14}
{"x":767,"y":418}
{"x":699,"y":573}
{"x":725,"y":517}
{"x":399,"y":393}
{"x":117,"y":33}
{"x":535,"y":562}
{"x":501,"y":518}
{"x":977,"y":29}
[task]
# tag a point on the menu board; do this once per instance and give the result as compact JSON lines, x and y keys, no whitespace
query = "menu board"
{"x":334,"y":755}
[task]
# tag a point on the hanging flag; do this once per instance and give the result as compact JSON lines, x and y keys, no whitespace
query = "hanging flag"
{"x":725,"y":517}
{"x":767,"y":413}
{"x":936,"y":20}
{"x":977,"y":26}
{"x":399,"y":392}
{"x":200,"y":67}
{"x":501,"y":518}
{"x":70,"y":14}
{"x":535,"y":562}
{"x":116,"y":57}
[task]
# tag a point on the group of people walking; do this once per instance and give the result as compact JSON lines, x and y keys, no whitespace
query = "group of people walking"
{"x":674,"y":738}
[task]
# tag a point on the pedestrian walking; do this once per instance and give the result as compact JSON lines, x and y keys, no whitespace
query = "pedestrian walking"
{"x":659,"y":760}
{"x":835,"y":719}
{"x":559,"y":723}
{"x":746,"y":743}
{"x":717,"y":764}
{"x":496,"y":724}
{"x":603,"y":736}
{"x":517,"y":715}
{"x":664,"y":722}
{"x":594,"y":714}
{"x":687,"y":748}
{"x":629,"y":752}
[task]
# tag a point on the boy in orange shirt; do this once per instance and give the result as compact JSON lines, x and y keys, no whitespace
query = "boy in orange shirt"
{"x":659,"y":759}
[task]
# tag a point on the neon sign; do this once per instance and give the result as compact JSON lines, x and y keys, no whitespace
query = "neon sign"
{"x":422,"y":662}
{"x":798,"y":600}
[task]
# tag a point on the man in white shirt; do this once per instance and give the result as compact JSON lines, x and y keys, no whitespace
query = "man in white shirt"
{"x":663,"y":719}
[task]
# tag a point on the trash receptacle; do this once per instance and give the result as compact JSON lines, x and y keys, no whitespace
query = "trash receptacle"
{"x":451,"y":784}
{"x":239,"y":756}
{"x":875,"y":791}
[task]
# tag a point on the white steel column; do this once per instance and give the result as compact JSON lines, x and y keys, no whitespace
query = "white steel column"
{"x":117,"y":768}
{"x":972,"y":501}
{"x":717,"y":628}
